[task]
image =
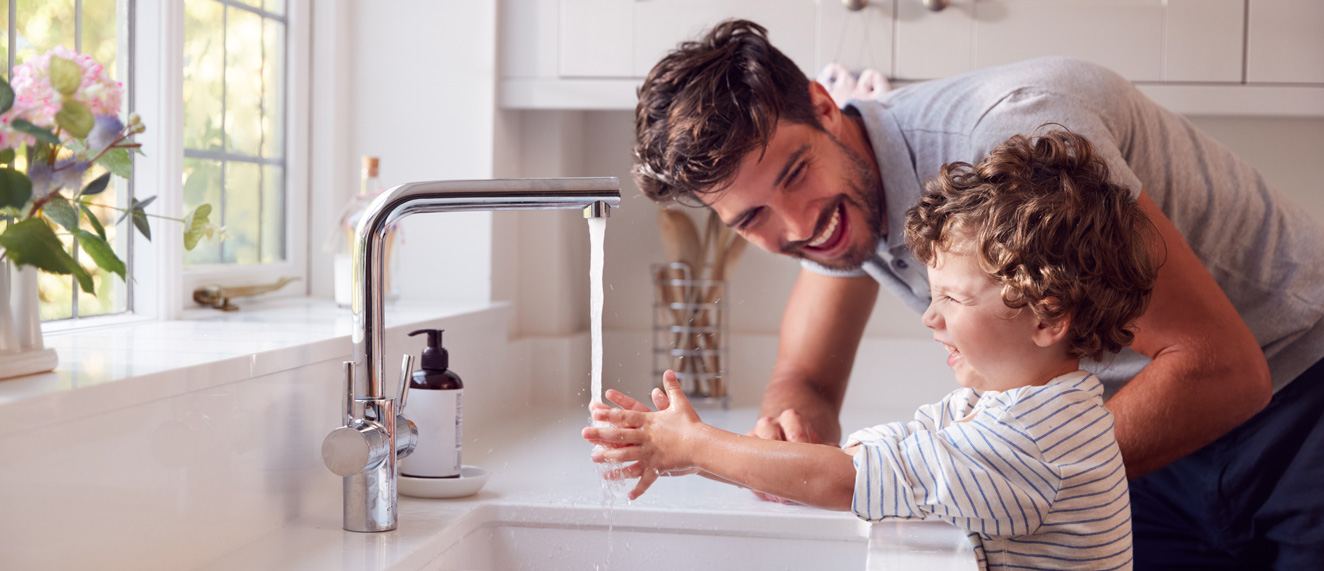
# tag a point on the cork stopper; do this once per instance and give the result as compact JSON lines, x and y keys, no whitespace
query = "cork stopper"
{"x":370,"y":166}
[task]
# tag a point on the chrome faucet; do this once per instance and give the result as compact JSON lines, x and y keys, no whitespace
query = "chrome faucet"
{"x":375,"y":435}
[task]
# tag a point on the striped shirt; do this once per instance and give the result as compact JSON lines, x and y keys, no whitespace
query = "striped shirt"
{"x":1033,"y":473}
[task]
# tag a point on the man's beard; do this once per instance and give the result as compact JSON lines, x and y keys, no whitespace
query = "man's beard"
{"x":865,"y":191}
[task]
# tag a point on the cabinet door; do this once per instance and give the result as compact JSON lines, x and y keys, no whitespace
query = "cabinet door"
{"x":661,"y":24}
{"x":1285,"y":41}
{"x":597,"y":38}
{"x":1144,"y":40}
{"x":857,"y":40}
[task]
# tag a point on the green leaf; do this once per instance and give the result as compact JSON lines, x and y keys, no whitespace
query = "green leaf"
{"x":32,"y":243}
{"x":140,"y":222}
{"x":195,"y":225}
{"x":43,"y":135}
{"x":7,"y":155}
{"x":6,"y":96}
{"x":101,"y":252}
{"x":15,"y":188}
{"x":97,"y":186}
{"x":61,"y":212}
{"x":66,"y":76}
{"x":135,"y":205}
{"x":75,"y":118}
{"x":117,"y":160}
{"x":93,"y":220}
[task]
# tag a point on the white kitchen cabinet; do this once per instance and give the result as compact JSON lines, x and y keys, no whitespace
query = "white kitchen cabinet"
{"x":1144,"y":40}
{"x":625,"y":38}
{"x":1238,"y":57}
{"x":1285,"y":41}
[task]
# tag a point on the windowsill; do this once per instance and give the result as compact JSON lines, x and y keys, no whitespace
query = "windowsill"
{"x":108,"y":367}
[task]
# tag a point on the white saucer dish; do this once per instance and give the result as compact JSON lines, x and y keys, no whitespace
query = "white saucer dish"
{"x":470,"y":481}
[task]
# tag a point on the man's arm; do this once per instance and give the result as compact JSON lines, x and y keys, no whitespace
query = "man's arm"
{"x":821,"y":330}
{"x":1208,"y":373}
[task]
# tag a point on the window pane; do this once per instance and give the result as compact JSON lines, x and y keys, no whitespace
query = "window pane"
{"x":4,"y":41}
{"x":249,"y":168}
{"x":243,"y":82}
{"x":273,"y":214}
{"x":42,"y":26}
{"x":273,"y":92}
{"x":202,"y":183}
{"x":55,"y":293}
{"x":204,"y":69}
{"x":243,"y":213}
{"x":100,"y":18}
{"x":274,"y":6}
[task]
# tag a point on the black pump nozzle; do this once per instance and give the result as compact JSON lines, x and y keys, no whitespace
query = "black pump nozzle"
{"x":435,"y":357}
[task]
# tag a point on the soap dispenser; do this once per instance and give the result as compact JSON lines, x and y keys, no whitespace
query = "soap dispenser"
{"x":436,"y":405}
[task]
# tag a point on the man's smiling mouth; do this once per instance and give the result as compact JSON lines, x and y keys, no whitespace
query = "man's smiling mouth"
{"x":832,"y":235}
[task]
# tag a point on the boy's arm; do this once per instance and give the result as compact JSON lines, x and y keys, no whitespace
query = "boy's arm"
{"x":985,"y":475}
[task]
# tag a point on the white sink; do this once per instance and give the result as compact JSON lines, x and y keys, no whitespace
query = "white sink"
{"x":516,"y":537}
{"x":501,"y":538}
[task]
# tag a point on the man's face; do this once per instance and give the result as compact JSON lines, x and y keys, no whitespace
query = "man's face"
{"x":808,"y":196}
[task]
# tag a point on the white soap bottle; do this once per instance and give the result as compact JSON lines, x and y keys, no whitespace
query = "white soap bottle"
{"x":436,"y":406}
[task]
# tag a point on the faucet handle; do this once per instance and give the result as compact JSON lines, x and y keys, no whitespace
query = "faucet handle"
{"x":359,"y":447}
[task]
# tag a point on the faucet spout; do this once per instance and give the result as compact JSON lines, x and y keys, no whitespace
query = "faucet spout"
{"x":370,"y":494}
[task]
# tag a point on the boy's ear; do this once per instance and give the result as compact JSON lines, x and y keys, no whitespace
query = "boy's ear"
{"x":1049,"y":333}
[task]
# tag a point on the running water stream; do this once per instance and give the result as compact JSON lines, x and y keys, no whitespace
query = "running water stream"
{"x":597,"y":227}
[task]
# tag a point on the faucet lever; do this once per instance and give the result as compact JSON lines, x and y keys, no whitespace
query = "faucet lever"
{"x":348,"y":367}
{"x":406,"y":371}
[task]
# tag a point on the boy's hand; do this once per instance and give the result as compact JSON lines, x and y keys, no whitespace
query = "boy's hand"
{"x":656,"y":442}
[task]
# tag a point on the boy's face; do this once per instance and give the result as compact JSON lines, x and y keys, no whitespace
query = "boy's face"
{"x":990,"y":346}
{"x":809,"y":195}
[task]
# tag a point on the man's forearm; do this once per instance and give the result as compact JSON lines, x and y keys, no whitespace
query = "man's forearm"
{"x":812,"y":474}
{"x":1181,"y":402}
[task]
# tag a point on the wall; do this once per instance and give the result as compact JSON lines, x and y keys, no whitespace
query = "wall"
{"x":387,"y":83}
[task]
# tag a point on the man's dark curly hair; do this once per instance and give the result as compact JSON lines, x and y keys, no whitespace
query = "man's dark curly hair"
{"x":1043,"y":220}
{"x":708,"y":104}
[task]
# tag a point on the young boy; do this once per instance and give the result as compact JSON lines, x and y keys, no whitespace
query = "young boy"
{"x":1034,"y":261}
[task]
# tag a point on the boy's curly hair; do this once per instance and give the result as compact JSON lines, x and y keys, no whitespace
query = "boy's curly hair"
{"x":708,"y":104}
{"x":1044,"y":221}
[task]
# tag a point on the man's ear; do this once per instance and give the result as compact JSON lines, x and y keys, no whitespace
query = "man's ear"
{"x":829,"y":115}
{"x":1049,"y":333}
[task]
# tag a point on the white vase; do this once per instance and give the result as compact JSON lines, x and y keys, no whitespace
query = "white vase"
{"x":25,"y":353}
{"x":8,"y":338}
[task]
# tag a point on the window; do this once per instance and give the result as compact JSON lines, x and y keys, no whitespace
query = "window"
{"x":213,"y":80}
{"x":98,"y":28}
{"x":234,"y":54}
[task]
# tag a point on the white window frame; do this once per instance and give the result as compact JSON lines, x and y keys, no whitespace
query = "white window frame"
{"x":163,"y":285}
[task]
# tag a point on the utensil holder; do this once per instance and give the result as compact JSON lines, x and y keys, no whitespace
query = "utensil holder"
{"x":690,"y":332}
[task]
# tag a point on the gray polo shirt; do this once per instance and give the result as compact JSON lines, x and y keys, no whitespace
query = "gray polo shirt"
{"x":1266,"y":254}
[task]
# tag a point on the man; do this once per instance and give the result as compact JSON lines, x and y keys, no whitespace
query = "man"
{"x":1218,"y":406}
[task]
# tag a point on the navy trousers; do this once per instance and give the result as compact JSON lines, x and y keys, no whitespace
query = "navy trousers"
{"x":1253,"y":499}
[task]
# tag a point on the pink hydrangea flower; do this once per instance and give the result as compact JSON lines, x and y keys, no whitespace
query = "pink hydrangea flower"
{"x":37,"y":101}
